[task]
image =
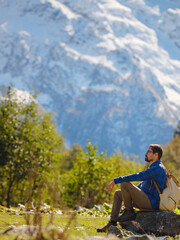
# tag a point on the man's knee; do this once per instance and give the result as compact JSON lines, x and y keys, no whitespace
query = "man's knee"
{"x":125,"y":185}
{"x":118,"y":194}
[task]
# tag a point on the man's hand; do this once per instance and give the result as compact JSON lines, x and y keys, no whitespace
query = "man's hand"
{"x":111,"y":185}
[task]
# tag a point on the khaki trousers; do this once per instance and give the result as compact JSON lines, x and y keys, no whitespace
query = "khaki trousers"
{"x":132,"y":196}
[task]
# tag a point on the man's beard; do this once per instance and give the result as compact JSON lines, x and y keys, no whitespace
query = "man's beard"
{"x":147,"y":160}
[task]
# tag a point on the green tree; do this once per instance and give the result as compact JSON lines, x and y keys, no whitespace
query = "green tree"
{"x":29,"y":145}
{"x":171,"y":154}
{"x":177,"y":131}
{"x":121,"y":166}
{"x":86,"y":183}
{"x":68,"y":157}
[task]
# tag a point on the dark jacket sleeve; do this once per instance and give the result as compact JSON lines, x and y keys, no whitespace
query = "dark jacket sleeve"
{"x":149,"y":174}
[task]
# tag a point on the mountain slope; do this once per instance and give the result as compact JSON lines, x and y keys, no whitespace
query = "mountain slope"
{"x":108,"y":68}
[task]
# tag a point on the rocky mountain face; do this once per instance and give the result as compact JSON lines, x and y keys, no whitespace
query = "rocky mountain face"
{"x":109,"y":69}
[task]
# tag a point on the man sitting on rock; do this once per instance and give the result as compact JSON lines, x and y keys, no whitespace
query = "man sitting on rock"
{"x":143,"y":196}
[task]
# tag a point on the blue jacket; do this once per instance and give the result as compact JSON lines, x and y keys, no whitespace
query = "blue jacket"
{"x":155,"y":172}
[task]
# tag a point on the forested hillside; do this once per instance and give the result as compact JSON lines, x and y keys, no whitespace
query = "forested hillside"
{"x":34,"y":160}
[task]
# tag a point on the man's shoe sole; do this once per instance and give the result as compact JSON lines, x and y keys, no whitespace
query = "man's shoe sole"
{"x":100,"y":230}
{"x":106,"y":230}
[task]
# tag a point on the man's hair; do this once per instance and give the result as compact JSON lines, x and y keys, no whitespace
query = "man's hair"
{"x":156,"y":148}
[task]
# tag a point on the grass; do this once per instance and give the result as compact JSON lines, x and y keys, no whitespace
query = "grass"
{"x":81,"y":226}
{"x":177,"y":211}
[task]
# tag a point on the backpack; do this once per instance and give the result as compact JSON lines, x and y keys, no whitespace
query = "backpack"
{"x":170,"y":196}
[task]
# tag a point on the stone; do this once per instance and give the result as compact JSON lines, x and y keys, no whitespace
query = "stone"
{"x":127,"y":235}
{"x":159,"y":223}
{"x":26,"y":231}
{"x":108,"y":237}
{"x":141,"y":237}
{"x":115,"y":230}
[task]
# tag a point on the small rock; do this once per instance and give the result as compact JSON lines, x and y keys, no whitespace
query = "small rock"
{"x":140,"y":237}
{"x":22,"y":229}
{"x":31,"y":230}
{"x":78,"y":208}
{"x":115,"y":230}
{"x":109,"y":237}
{"x":71,"y":213}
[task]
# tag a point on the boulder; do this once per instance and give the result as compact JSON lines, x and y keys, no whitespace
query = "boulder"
{"x":159,"y":223}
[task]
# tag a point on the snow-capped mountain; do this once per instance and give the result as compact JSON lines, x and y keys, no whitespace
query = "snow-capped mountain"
{"x":109,"y":69}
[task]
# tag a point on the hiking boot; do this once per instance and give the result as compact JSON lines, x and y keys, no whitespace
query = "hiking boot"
{"x":126,"y":216}
{"x":105,"y":228}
